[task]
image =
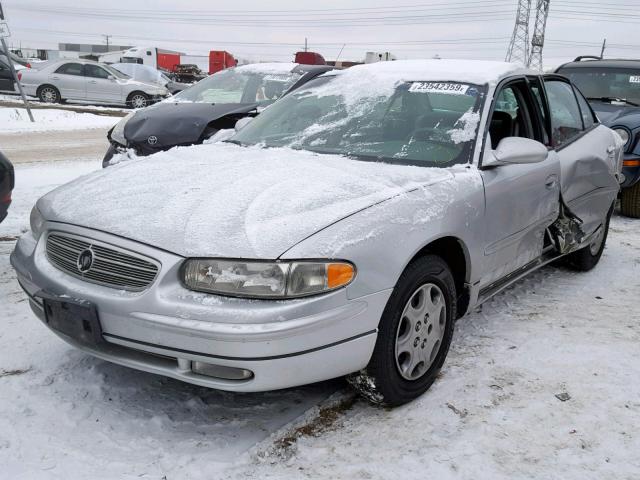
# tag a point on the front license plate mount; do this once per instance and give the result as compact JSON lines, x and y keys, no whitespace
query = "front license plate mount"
{"x":77,"y":319}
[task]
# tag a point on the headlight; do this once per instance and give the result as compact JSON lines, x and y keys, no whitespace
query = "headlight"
{"x":36,"y":220}
{"x":117,"y":134}
{"x":266,"y":279}
{"x":624,"y":134}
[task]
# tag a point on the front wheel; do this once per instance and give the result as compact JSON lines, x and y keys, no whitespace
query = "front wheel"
{"x":413,"y":337}
{"x":630,"y":201}
{"x":138,"y":100}
{"x":588,"y":257}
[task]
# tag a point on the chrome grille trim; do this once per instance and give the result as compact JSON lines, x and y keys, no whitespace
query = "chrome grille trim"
{"x":112,"y":266}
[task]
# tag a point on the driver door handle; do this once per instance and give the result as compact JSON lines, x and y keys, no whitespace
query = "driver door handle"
{"x":92,"y":81}
{"x":551,"y":181}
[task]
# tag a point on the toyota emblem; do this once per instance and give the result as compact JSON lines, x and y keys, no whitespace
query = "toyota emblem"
{"x":152,"y":140}
{"x":85,"y":260}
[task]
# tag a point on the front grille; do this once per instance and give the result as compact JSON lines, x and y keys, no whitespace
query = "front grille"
{"x":110,"y":266}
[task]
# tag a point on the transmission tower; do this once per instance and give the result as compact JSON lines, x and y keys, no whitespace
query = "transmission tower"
{"x":537,"y":41}
{"x":519,"y":46}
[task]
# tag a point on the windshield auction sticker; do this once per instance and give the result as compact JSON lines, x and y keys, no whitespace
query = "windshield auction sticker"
{"x":634,"y":79}
{"x":439,"y":87}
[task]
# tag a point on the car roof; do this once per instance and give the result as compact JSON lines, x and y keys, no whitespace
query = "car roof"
{"x":440,"y":70}
{"x":602,"y":63}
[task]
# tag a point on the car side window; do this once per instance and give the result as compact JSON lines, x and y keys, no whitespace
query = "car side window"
{"x":566,"y":119}
{"x":70,"y":69}
{"x":536,"y":89}
{"x":95,"y":71}
{"x":588,"y":117}
{"x":512,"y":115}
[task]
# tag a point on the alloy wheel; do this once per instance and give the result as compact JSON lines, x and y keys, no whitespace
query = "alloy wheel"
{"x":138,"y":101}
{"x":48,"y":95}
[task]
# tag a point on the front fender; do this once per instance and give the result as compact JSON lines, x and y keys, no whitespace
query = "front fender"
{"x":383,"y":239}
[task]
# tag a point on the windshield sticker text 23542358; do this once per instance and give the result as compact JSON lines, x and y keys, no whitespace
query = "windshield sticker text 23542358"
{"x":439,"y":87}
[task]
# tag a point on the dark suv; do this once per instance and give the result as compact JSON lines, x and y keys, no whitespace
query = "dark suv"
{"x":613,"y":89}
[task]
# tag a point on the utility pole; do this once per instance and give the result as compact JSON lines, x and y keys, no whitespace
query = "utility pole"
{"x":518,"y":50}
{"x":107,"y":37}
{"x":604,"y":44}
{"x":4,"y":32}
{"x":305,"y":44}
{"x":537,"y":41}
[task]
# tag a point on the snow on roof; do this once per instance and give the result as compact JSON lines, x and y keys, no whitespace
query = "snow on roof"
{"x":275,"y":67}
{"x":375,"y":80}
{"x":470,"y":71}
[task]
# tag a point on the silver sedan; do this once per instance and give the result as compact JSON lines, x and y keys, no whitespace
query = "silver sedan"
{"x":87,"y":81}
{"x":341,"y":232}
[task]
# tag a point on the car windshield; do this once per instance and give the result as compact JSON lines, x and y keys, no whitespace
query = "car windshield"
{"x":115,"y":73}
{"x":417,"y":123}
{"x":240,"y":86}
{"x":606,"y":83}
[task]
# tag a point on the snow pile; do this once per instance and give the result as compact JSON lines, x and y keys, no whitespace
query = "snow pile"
{"x":225,"y":200}
{"x":16,"y":120}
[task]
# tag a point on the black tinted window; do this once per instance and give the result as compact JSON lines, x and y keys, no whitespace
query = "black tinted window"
{"x":587,"y":114}
{"x":566,"y":119}
{"x":95,"y":71}
{"x":70,"y":69}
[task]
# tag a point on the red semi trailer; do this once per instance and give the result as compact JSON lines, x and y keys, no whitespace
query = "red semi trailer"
{"x":219,"y":60}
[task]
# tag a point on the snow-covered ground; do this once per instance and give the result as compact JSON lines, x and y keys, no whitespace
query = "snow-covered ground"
{"x":16,"y":120}
{"x":493,"y":414}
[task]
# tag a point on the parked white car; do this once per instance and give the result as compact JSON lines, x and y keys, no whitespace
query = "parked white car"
{"x":89,"y":81}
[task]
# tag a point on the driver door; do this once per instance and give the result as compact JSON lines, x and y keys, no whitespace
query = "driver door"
{"x":522,"y":200}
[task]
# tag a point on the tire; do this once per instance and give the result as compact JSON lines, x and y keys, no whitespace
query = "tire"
{"x":630,"y":201}
{"x":588,"y":257}
{"x":138,"y":100}
{"x":406,"y":339}
{"x":49,"y":94}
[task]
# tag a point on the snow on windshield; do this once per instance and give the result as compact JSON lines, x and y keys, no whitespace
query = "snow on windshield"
{"x":377,"y":114}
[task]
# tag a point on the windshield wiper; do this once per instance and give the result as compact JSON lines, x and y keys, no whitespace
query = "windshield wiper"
{"x":614,"y":99}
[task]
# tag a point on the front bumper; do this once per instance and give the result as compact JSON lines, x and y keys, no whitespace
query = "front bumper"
{"x":167,"y":327}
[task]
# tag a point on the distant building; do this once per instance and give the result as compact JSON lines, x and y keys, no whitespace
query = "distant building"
{"x":91,"y":49}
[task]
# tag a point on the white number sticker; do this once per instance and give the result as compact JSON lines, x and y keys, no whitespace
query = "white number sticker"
{"x":439,"y":87}
{"x":634,"y":79}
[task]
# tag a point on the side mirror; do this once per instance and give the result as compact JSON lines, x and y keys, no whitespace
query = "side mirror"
{"x":111,"y":77}
{"x":243,"y":122}
{"x":515,"y":151}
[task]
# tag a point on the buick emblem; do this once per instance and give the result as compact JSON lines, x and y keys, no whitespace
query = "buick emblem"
{"x":85,"y":260}
{"x":152,"y":140}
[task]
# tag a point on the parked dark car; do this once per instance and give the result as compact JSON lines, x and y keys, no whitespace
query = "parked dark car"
{"x":7,"y":182}
{"x":7,"y":83}
{"x":613,"y":89}
{"x":213,"y":104}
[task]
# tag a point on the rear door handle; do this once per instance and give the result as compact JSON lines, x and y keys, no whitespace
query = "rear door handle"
{"x":551,"y":181}
{"x":92,"y":81}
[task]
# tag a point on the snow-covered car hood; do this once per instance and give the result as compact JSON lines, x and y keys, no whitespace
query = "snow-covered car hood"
{"x":137,"y":83}
{"x":224,"y":200}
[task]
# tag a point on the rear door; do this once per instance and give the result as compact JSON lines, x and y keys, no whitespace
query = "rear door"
{"x":521,"y":200}
{"x":587,"y":152}
{"x":100,"y":87}
{"x":69,"y":79}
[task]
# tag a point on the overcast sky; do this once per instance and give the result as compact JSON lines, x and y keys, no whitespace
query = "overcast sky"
{"x":275,"y":29}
